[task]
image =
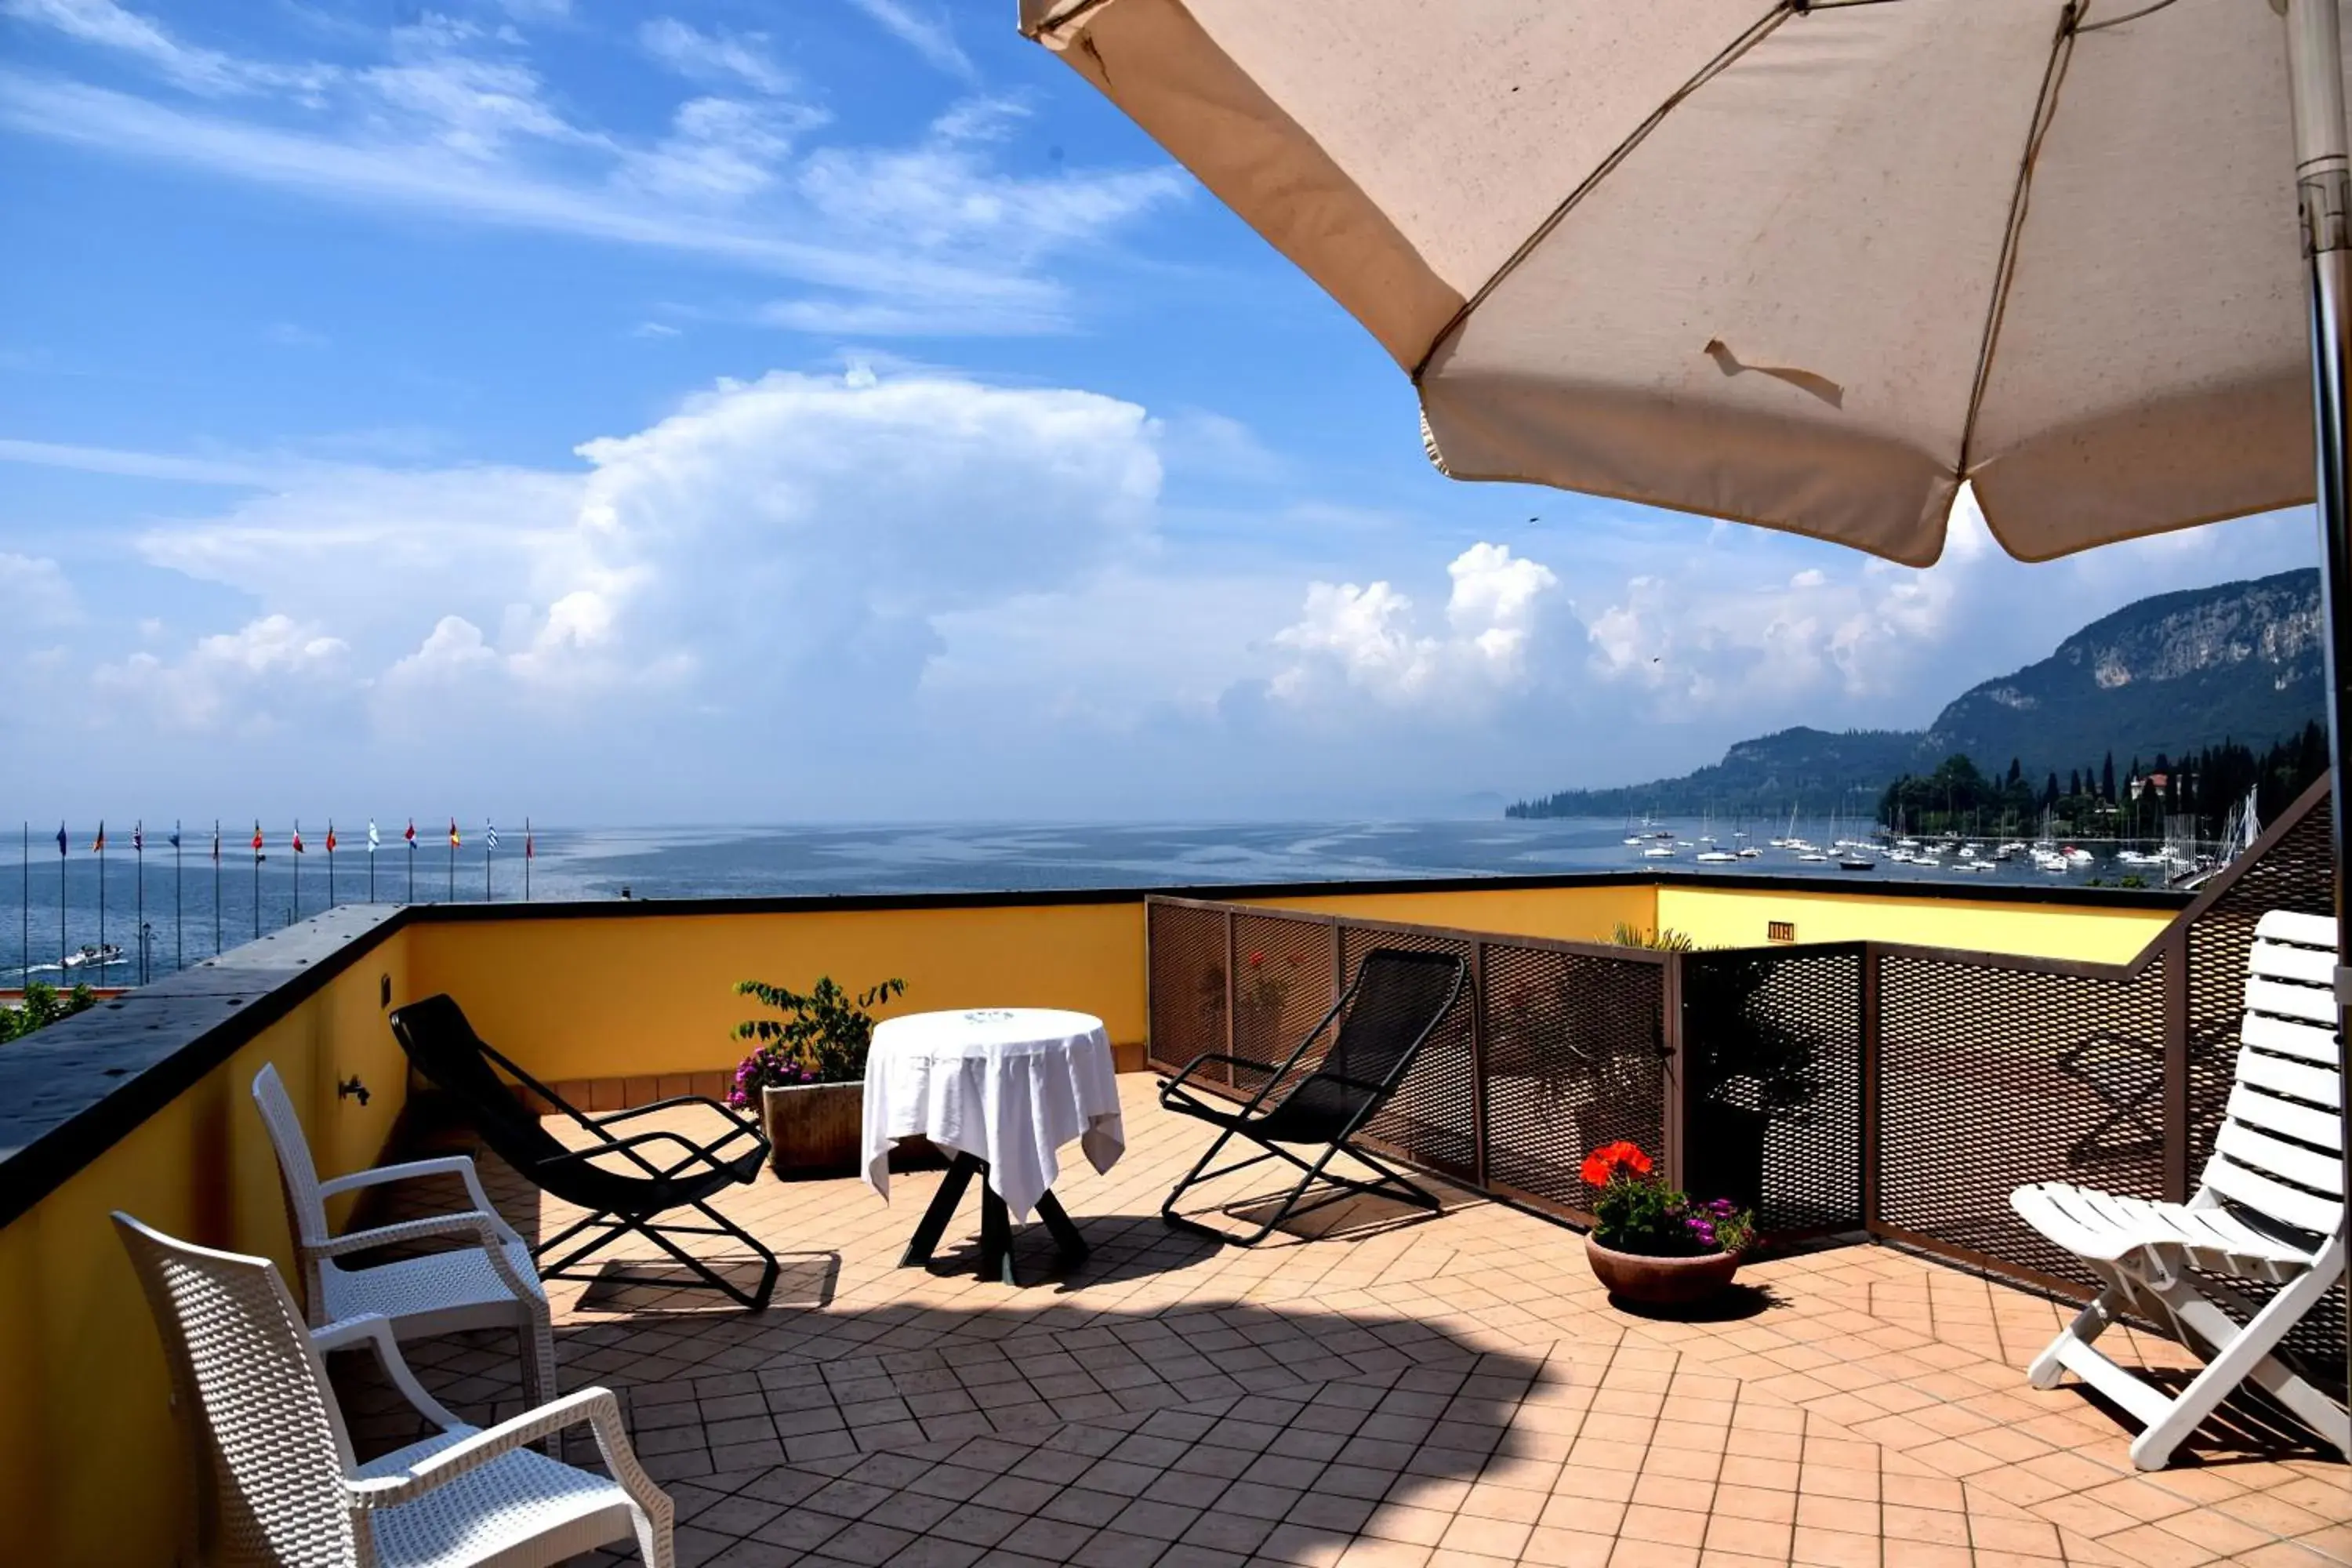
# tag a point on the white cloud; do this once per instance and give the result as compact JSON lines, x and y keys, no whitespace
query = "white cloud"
{"x":742,"y":58}
{"x":1369,"y":640}
{"x":105,"y":24}
{"x":457,"y":123}
{"x":794,"y":539}
{"x":35,"y":589}
{"x":248,"y":682}
{"x":929,"y":36}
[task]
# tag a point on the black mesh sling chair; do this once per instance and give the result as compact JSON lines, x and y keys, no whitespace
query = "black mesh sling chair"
{"x":626,"y":1180}
{"x":1376,"y":1028}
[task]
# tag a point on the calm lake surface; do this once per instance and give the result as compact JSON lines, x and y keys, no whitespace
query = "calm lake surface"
{"x":184,"y":909}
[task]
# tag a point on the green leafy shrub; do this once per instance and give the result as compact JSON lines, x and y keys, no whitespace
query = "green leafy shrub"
{"x":822,"y":1038}
{"x":1663,"y":939}
{"x":43,"y":1005}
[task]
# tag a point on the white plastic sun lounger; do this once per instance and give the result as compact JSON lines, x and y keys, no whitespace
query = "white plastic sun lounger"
{"x":2270,"y":1211}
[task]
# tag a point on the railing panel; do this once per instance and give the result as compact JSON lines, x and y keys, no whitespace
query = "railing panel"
{"x":1574,"y":1050}
{"x":1187,"y":945}
{"x":1773,"y":1046}
{"x":1431,"y":1120}
{"x":1284,"y":980}
{"x":1995,"y":1074}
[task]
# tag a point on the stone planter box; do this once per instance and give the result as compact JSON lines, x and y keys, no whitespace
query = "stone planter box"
{"x":1661,"y":1281}
{"x":816,"y":1130}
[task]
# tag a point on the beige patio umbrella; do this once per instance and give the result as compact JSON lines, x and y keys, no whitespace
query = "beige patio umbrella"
{"x":1811,"y":266}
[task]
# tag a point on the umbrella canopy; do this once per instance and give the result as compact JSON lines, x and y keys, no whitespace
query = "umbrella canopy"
{"x":1816,"y":264}
{"x":1807,"y":266}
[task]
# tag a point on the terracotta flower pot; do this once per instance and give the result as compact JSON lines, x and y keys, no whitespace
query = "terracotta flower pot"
{"x":819,"y":1130}
{"x":815,"y":1128}
{"x":1660,"y":1281}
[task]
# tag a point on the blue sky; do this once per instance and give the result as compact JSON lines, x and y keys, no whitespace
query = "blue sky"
{"x":746,"y":411}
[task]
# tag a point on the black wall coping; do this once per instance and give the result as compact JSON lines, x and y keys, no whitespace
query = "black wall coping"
{"x":75,"y":1089}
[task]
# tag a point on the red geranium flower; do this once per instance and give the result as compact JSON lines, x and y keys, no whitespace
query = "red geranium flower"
{"x":1604,"y":1161}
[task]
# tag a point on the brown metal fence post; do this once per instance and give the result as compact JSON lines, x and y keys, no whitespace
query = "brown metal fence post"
{"x":2176,"y":1063}
{"x":1233,"y":998}
{"x":1870,"y":1081}
{"x":1678,"y":1078}
{"x":1478,"y":1059}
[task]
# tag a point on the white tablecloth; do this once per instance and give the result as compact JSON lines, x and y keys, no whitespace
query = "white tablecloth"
{"x":1008,"y":1084}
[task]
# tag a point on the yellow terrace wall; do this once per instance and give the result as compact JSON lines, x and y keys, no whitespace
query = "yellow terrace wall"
{"x":92,"y":1470}
{"x":1557,"y":914}
{"x":642,"y":994}
{"x":1738,"y":917}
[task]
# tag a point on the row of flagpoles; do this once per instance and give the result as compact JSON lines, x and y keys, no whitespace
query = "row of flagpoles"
{"x":260,"y":845}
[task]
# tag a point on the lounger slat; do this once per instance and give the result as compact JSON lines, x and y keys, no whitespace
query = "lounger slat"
{"x":2306,"y":1042}
{"x":2289,"y":1118}
{"x":2320,"y":1086}
{"x":2304,"y":930}
{"x":2312,"y":1004}
{"x":2296,"y":966}
{"x":2251,"y":1147}
{"x":2271,"y":1199}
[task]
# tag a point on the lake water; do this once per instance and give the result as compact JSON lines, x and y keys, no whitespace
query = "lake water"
{"x":185,"y":910}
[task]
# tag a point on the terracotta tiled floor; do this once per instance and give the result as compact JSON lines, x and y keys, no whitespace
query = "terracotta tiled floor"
{"x":1398,"y":1392}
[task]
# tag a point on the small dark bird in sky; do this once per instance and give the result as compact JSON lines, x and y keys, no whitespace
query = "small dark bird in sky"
{"x":1534,"y":520}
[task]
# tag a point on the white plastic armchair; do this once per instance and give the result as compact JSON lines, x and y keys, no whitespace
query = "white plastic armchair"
{"x":491,"y":1284}
{"x":282,"y":1487}
{"x":2268,"y":1212}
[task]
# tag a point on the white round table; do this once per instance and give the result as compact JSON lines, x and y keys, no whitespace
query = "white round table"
{"x":1002,"y":1089}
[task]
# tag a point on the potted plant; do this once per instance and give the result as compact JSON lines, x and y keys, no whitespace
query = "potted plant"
{"x":806,"y":1072}
{"x":1653,"y":1244}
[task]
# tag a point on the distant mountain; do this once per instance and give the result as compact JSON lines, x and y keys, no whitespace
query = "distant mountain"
{"x":2172,"y":673}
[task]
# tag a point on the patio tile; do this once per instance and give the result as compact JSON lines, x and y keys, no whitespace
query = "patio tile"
{"x":1452,"y":1391}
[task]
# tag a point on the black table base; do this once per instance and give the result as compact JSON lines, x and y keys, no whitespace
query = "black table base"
{"x":995,"y":1224}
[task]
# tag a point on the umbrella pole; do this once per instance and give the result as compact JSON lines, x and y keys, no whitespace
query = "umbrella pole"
{"x":2324,"y":194}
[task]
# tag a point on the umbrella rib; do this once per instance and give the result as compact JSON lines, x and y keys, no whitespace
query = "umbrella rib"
{"x":1063,"y":19}
{"x":1756,"y":34}
{"x":2045,"y":108}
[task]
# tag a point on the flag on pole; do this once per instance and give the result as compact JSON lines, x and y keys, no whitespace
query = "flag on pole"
{"x":215,"y":843}
{"x":411,"y":834}
{"x":297,"y":838}
{"x":61,"y":841}
{"x":139,"y":836}
{"x":372,"y":839}
{"x":454,"y":839}
{"x":490,"y":834}
{"x":257,"y":840}
{"x":528,"y":843}
{"x":330,"y":835}
{"x":97,"y":845}
{"x":175,"y":836}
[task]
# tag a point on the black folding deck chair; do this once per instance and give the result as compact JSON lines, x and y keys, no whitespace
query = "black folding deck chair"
{"x":1382,"y":1019}
{"x":442,"y":1047}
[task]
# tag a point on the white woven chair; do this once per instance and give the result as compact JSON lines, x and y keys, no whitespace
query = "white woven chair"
{"x":2269,"y":1210}
{"x":281,"y":1484}
{"x":489,"y":1284}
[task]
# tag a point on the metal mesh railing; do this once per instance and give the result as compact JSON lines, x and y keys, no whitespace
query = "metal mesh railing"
{"x":1575,"y":1057}
{"x":1773,"y":1046}
{"x":1902,"y":1089}
{"x":1993,"y":1073}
